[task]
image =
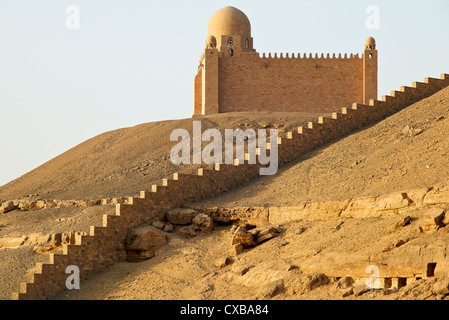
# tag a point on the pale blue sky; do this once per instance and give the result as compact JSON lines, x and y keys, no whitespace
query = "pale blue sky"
{"x":134,"y":61}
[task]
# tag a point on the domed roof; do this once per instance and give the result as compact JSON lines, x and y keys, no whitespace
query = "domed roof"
{"x":370,"y":42}
{"x":229,"y":21}
{"x":211,"y":42}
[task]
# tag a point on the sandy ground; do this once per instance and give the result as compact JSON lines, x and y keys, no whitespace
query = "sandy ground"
{"x":185,"y":268}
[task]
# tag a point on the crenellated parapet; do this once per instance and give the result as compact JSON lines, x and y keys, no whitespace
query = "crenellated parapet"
{"x":314,"y":56}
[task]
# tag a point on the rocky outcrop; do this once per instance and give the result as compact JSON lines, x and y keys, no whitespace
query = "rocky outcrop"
{"x":361,"y":207}
{"x":164,"y":226}
{"x":255,"y":216}
{"x":263,"y":234}
{"x":143,"y":243}
{"x":43,"y":242}
{"x":433,"y":220}
{"x":400,"y":224}
{"x":345,"y":283}
{"x":203,"y":223}
{"x":245,"y":239}
{"x":190,"y":222}
{"x":188,"y":232}
{"x":7,"y":207}
{"x":40,"y":204}
{"x":441,"y":285}
{"x":180,"y":216}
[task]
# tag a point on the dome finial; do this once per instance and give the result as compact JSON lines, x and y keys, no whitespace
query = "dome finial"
{"x":211,"y":42}
{"x":370,"y":43}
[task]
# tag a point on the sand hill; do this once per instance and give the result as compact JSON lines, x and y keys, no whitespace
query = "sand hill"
{"x":405,"y":151}
{"x":123,"y":162}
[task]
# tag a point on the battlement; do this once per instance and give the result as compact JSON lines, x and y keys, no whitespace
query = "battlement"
{"x":105,"y":244}
{"x":295,"y":56}
{"x":314,"y":56}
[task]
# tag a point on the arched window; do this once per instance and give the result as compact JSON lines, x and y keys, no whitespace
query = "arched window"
{"x":246,"y":44}
{"x":230,"y":42}
{"x":231,"y":52}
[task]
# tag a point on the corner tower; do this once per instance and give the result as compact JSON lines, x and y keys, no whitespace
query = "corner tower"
{"x":369,"y":70}
{"x":228,"y":34}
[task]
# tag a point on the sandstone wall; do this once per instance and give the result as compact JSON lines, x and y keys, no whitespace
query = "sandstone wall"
{"x":250,"y":83}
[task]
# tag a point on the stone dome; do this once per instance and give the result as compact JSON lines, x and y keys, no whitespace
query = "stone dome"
{"x":211,"y":42}
{"x":370,"y":43}
{"x":229,"y":21}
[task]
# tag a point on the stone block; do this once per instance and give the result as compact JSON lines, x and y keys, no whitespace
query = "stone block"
{"x":202,"y":223}
{"x":435,"y":216}
{"x":7,"y":206}
{"x":142,"y":242}
{"x":180,"y":216}
{"x":243,"y":237}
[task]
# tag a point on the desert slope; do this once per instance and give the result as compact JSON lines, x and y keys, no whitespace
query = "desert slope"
{"x":375,"y":161}
{"x":123,"y":162}
{"x":408,"y":150}
{"x":387,"y":157}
